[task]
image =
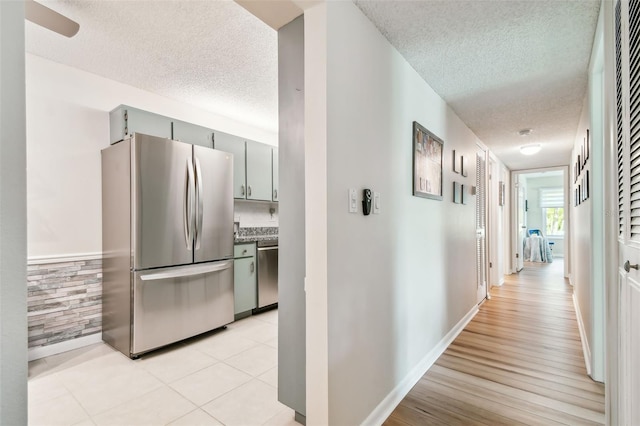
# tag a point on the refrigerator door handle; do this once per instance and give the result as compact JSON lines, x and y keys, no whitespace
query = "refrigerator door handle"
{"x":199,"y":203}
{"x":187,"y":271}
{"x":188,"y":204}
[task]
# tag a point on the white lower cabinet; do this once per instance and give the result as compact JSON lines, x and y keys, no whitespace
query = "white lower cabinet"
{"x":244,"y":281}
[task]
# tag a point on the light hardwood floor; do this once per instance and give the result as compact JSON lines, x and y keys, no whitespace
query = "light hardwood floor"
{"x":519,"y":361}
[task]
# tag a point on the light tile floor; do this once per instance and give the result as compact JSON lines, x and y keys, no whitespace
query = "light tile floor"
{"x":228,"y":377}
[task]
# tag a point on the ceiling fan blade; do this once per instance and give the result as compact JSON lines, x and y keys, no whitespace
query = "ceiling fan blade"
{"x":50,"y":19}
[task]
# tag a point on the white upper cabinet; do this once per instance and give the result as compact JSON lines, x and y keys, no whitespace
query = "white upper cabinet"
{"x":124,"y":121}
{"x":259,"y":171}
{"x":236,"y":146}
{"x":192,"y":133}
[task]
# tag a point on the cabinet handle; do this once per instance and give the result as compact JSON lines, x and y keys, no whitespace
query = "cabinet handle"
{"x":244,"y":251}
{"x":252,"y":267}
{"x":249,"y":188}
{"x":275,"y":194}
{"x":242,"y":189}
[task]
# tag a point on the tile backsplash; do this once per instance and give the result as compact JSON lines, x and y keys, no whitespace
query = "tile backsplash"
{"x":64,"y":300}
{"x":256,"y":214}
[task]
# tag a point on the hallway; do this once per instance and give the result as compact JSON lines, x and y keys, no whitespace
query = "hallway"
{"x":518,"y":361}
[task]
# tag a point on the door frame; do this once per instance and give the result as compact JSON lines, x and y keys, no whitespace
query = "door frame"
{"x":480,"y":147}
{"x":515,"y":174}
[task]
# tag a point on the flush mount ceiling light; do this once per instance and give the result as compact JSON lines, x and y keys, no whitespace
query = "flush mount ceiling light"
{"x":530,"y":149}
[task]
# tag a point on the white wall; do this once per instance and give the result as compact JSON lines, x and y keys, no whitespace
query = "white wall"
{"x":251,"y":214}
{"x":67,"y":126}
{"x":13,"y":229}
{"x":600,"y":209}
{"x":498,"y":231}
{"x":316,"y":169}
{"x":394,"y":281}
{"x":581,"y":242}
{"x":505,"y":176}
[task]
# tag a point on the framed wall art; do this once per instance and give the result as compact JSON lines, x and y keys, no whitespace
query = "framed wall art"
{"x":587,"y":146}
{"x":457,"y":193}
{"x":586,"y":186}
{"x":456,"y":165}
{"x":427,"y":163}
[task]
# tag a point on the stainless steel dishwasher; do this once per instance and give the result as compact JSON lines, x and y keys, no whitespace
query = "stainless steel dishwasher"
{"x":267,"y":273}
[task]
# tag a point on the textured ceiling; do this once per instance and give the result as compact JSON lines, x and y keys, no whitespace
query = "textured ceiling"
{"x":209,"y":53}
{"x":502,"y":65}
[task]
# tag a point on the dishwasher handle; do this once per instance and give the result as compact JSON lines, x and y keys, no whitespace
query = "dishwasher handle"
{"x":267,"y":248}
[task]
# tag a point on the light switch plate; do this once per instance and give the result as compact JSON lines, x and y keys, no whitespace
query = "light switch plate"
{"x":353,"y":201}
{"x":376,"y":203}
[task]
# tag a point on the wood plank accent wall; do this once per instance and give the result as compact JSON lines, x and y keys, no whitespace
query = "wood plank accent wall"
{"x":519,"y":361}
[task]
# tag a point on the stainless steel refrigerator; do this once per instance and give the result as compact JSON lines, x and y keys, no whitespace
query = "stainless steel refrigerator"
{"x":167,"y":237}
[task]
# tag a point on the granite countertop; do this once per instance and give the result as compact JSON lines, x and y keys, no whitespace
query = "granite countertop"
{"x":254,"y":234}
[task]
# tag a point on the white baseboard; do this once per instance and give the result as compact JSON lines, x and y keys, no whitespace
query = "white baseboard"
{"x":391,"y":401}
{"x":583,"y":336}
{"x":67,"y":345}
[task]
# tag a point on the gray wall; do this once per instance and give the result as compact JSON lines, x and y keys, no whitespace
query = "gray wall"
{"x":13,"y":230}
{"x":291,"y":259}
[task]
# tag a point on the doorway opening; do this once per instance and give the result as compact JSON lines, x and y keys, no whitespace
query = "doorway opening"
{"x":541,"y":220}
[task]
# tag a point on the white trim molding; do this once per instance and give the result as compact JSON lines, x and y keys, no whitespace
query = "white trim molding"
{"x":583,"y":336}
{"x":68,"y":345}
{"x":73,"y":257}
{"x":391,"y":401}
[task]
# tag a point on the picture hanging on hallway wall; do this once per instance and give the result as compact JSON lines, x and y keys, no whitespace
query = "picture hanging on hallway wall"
{"x":456,"y":166}
{"x":427,"y":163}
{"x":457,"y":193}
{"x":587,"y":147}
{"x":581,"y":170}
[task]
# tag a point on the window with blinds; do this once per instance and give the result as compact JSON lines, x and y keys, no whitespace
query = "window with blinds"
{"x":619,"y":118}
{"x":634,"y":120}
{"x":552,"y":197}
{"x":552,"y":205}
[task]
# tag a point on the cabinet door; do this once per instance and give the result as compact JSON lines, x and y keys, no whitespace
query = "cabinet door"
{"x":125,"y":121}
{"x":245,"y":291}
{"x":259,"y":177}
{"x":192,"y":133}
{"x":274,"y":173}
{"x":236,"y":146}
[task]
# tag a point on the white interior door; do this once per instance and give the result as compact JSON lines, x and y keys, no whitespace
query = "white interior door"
{"x":521,"y":222}
{"x":626,"y":384}
{"x":481,"y":221}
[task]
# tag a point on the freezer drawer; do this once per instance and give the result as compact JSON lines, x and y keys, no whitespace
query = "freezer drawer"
{"x":171,"y":304}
